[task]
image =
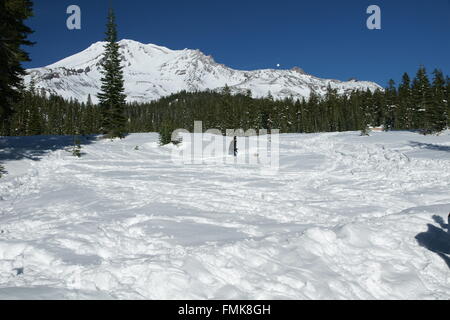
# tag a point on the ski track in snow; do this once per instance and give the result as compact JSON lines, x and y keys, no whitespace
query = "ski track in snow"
{"x":338,"y":221}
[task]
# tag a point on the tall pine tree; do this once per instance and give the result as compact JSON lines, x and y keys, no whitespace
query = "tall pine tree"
{"x":112,"y":97}
{"x":391,"y":106}
{"x":405,"y":110}
{"x":422,"y":100}
{"x":437,"y":112}
{"x":13,"y":34}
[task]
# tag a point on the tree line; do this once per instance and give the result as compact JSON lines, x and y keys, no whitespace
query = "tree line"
{"x":415,"y":104}
{"x":421,"y":103}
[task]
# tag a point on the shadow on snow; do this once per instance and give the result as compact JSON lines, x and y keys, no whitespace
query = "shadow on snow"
{"x":35,"y":147}
{"x":436,"y":239}
{"x":430,"y":146}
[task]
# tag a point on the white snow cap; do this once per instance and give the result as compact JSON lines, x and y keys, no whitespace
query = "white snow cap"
{"x":152,"y":72}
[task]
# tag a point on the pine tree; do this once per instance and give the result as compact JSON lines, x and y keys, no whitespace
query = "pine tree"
{"x":405,"y":111}
{"x":89,"y":100}
{"x":366,"y":112}
{"x":76,"y":150}
{"x":390,"y":117}
{"x":365,"y":131}
{"x":88,"y":116}
{"x":378,"y":108}
{"x":226,"y":90}
{"x":330,"y":118}
{"x":2,"y":171}
{"x":437,"y":113}
{"x":112,"y":97}
{"x":13,"y":35}
{"x":34,"y":126}
{"x":165,"y":133}
{"x":422,"y":100}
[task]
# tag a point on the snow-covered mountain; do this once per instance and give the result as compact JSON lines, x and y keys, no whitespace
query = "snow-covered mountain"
{"x":152,"y":72}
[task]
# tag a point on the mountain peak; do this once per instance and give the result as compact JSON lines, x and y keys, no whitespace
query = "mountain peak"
{"x":298,"y":70}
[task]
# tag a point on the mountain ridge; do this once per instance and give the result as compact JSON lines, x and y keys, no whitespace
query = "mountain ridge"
{"x":152,"y":72}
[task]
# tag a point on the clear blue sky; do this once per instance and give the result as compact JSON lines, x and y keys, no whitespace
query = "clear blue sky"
{"x":326,"y":38}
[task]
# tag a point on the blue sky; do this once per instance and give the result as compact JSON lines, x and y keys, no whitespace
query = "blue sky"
{"x":326,"y":38}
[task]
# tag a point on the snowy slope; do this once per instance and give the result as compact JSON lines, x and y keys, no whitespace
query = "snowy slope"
{"x":346,"y":217}
{"x":152,"y":72}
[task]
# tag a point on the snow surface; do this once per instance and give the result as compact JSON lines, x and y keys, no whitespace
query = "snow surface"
{"x":346,"y":217}
{"x":152,"y":72}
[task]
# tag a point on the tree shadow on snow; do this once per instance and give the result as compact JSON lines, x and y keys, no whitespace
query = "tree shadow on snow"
{"x":35,"y":147}
{"x":430,"y":146}
{"x":436,"y":239}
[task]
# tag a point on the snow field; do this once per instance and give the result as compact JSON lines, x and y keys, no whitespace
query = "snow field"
{"x":346,"y":217}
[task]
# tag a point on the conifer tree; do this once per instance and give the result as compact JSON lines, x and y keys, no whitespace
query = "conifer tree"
{"x":366,"y":112}
{"x":13,"y":35}
{"x":437,"y":112}
{"x":390,"y":117}
{"x":330,"y":117}
{"x":226,"y":90}
{"x":165,"y":133}
{"x":35,"y":126}
{"x":76,"y":149}
{"x":422,"y":100}
{"x":365,"y":131}
{"x":404,"y":111}
{"x":2,"y":171}
{"x":378,"y":109}
{"x":89,"y":100}
{"x":112,"y":97}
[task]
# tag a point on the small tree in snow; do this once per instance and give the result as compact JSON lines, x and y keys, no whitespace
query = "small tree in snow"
{"x":76,"y":150}
{"x":165,"y":133}
{"x":365,"y":131}
{"x":2,"y":171}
